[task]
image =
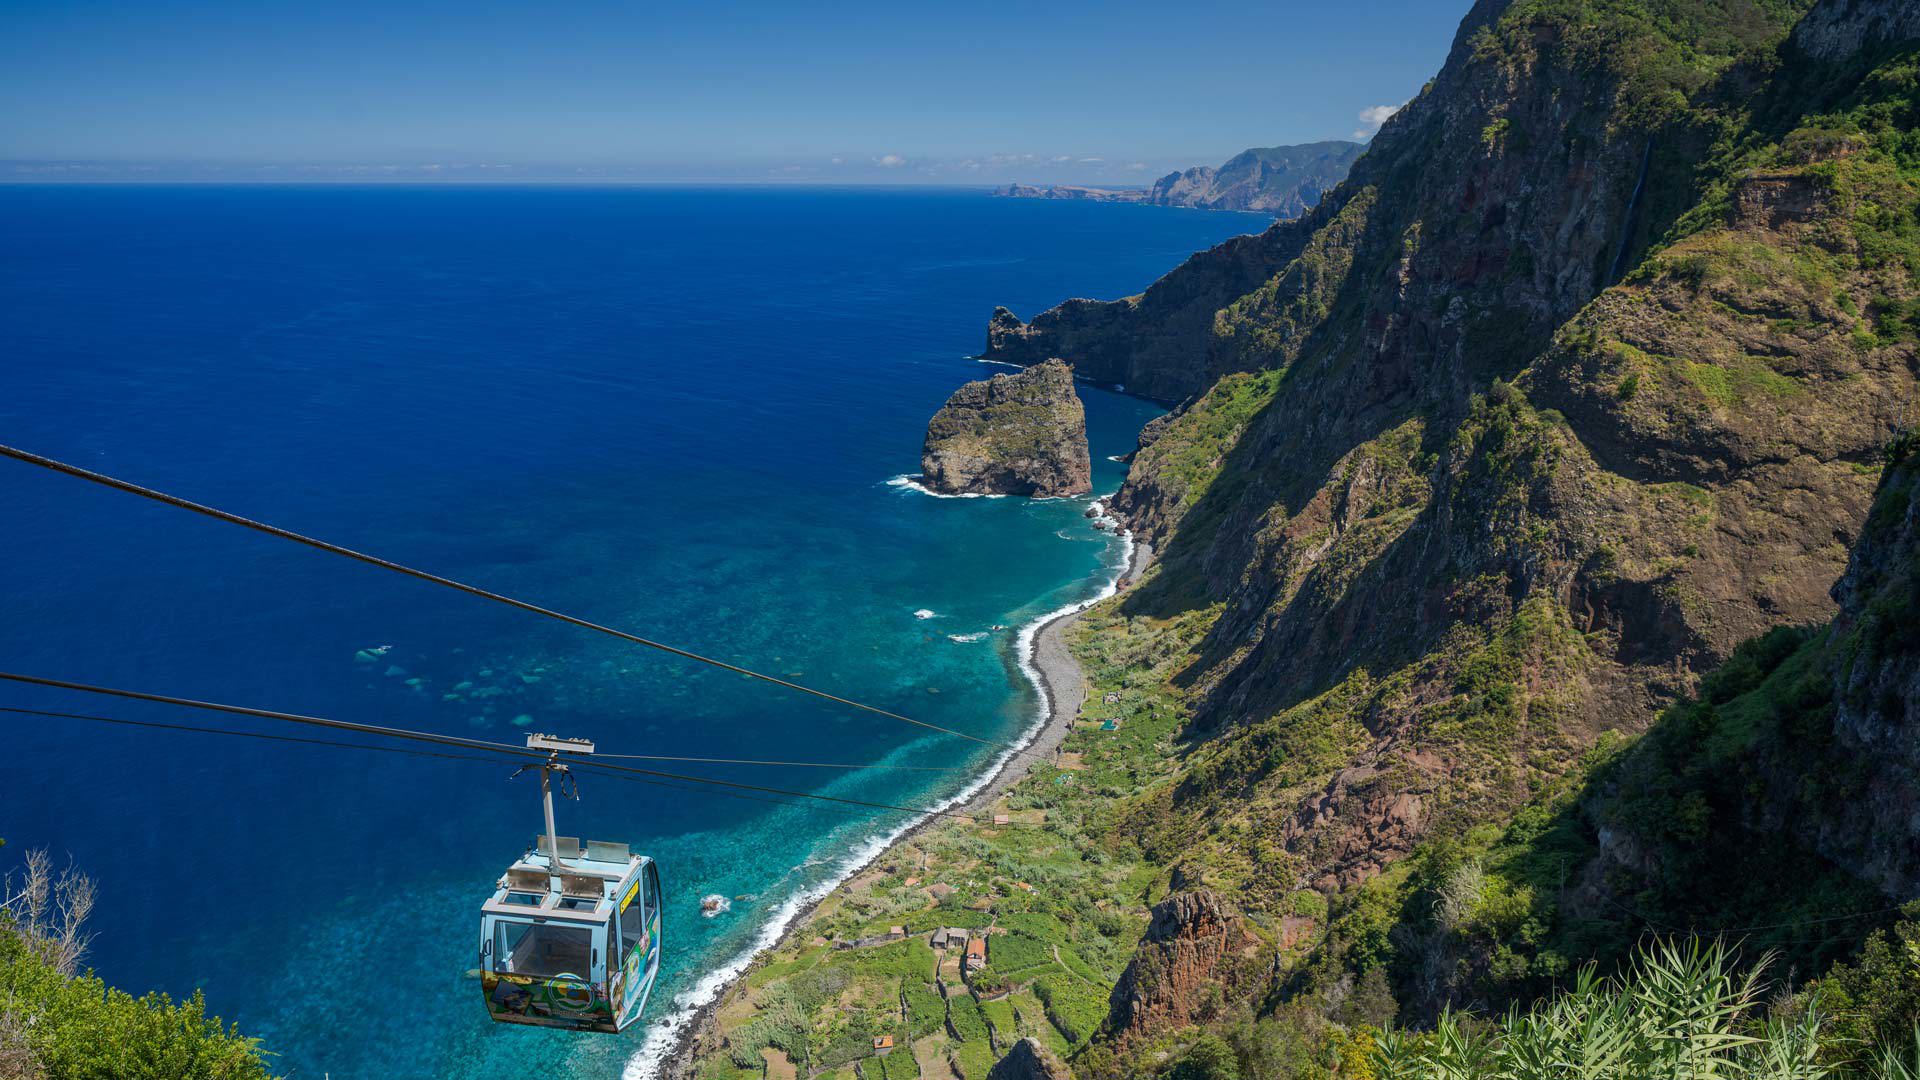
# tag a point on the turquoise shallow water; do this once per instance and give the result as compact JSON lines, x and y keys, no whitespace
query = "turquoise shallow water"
{"x":670,"y":411}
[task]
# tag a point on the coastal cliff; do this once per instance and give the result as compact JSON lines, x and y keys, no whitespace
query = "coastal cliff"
{"x":1015,"y":434}
{"x":1500,"y":491}
{"x":1285,"y":181}
{"x":1451,"y":434}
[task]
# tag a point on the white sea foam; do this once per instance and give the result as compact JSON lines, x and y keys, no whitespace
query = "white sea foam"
{"x":964,"y":639}
{"x":926,"y":613}
{"x":911,"y":482}
{"x":648,"y":1062}
{"x":996,"y":363}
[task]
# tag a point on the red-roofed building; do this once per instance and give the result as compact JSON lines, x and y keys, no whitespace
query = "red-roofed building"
{"x":976,"y":955}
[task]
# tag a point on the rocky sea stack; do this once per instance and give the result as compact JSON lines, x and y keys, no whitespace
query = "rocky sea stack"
{"x":1017,"y":434}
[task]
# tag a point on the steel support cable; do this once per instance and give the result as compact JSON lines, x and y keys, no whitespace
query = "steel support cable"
{"x":785,"y":764}
{"x":331,"y":743}
{"x":429,"y":753}
{"x":156,"y":725}
{"x":473,"y":590}
{"x":270,"y":714}
{"x":587,"y":762}
{"x":457,"y":741}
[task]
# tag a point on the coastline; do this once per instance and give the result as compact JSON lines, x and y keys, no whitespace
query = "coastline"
{"x":1049,"y":664}
{"x":1045,"y":659}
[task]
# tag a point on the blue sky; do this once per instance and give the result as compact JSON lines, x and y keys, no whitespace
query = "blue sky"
{"x":824,"y":92}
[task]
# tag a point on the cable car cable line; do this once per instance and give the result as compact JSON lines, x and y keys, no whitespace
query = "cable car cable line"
{"x":334,"y":744}
{"x":464,"y":757}
{"x":505,"y":749}
{"x":244,"y":734}
{"x":399,"y":750}
{"x":788,"y":764}
{"x":270,"y":714}
{"x":474,"y":590}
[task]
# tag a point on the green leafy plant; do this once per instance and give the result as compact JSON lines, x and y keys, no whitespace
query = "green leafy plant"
{"x":59,"y":1023}
{"x":1684,"y":1010}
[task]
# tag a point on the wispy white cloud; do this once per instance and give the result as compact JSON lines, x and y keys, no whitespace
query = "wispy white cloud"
{"x":837,"y":161}
{"x":1060,"y":158}
{"x":1136,"y":166}
{"x":1371,"y":118}
{"x":889,"y":161}
{"x":1091,"y":160}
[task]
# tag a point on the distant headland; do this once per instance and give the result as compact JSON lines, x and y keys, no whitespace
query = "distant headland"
{"x":1284,"y":181}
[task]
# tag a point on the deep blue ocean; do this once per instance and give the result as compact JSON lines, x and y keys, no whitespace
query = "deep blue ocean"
{"x":672,"y":411}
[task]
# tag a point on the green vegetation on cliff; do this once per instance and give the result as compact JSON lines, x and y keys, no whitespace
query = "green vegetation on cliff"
{"x":1491,"y":630}
{"x":78,"y":1027}
{"x":59,"y":1023}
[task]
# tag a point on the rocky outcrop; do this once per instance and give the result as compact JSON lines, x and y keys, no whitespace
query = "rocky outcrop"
{"x":1194,"y":943}
{"x":1028,"y":1060}
{"x":1285,"y":181}
{"x":1015,"y":434}
{"x":1801,"y":758}
{"x":1837,"y":31}
{"x":1876,"y":704}
{"x":1146,"y":343}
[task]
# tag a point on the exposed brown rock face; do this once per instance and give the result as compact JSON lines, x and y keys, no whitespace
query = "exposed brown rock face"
{"x":1831,"y":769}
{"x":1028,"y":1060}
{"x":1018,"y":434}
{"x":1193,"y":943}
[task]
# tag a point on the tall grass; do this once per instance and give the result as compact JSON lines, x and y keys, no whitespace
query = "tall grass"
{"x":1682,"y":1011}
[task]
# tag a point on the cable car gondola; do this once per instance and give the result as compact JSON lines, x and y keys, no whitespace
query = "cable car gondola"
{"x":570,"y":937}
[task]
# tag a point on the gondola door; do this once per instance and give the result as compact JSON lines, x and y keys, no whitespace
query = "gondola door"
{"x":638,"y":922}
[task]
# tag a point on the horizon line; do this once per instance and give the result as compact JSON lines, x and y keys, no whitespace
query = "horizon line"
{"x":535,"y":181}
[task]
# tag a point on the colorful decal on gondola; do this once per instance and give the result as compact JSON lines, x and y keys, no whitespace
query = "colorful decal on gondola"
{"x":630,"y":967}
{"x":552,"y":1002}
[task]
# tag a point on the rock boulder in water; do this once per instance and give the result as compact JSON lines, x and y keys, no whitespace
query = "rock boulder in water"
{"x":1017,"y":434}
